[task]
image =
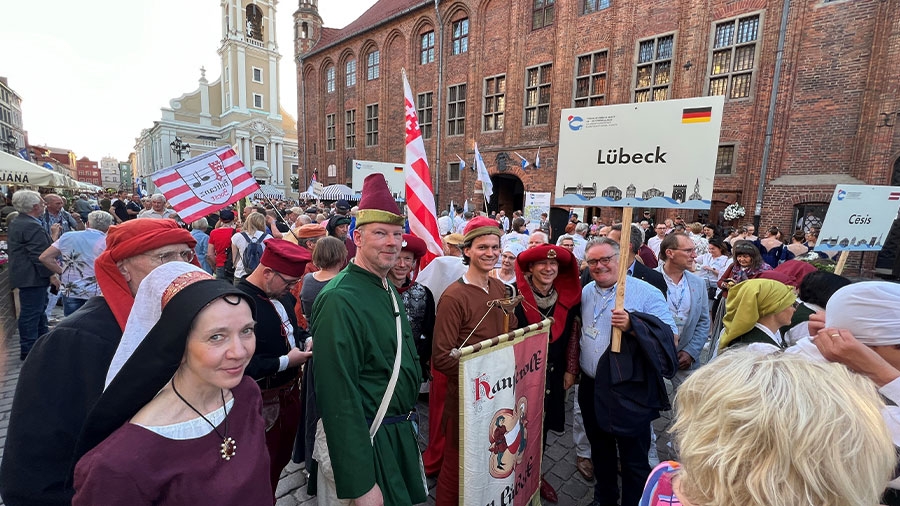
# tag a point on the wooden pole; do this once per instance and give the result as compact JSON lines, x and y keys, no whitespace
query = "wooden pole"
{"x":624,"y":246}
{"x":842,"y":261}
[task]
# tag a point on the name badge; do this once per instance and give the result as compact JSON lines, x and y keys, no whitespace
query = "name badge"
{"x":591,"y":332}
{"x":680,"y":321}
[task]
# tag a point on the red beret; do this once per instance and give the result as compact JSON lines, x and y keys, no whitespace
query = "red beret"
{"x":128,"y":240}
{"x":284,"y":257}
{"x":414,"y":245}
{"x":544,"y":252}
{"x":482,"y":225}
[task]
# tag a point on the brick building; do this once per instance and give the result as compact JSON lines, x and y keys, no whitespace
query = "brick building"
{"x":88,"y":171}
{"x":499,"y":72}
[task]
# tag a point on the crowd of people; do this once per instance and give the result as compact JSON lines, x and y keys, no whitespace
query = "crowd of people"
{"x":186,"y":370}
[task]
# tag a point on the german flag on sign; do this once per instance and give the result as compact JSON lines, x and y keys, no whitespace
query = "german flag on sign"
{"x":398,"y":168}
{"x":696,"y":115}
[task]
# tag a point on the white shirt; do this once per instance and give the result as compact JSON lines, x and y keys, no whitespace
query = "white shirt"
{"x":679,"y":300}
{"x":653,"y":243}
{"x":239,"y":243}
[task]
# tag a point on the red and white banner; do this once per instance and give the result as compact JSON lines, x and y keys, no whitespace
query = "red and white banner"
{"x":419,"y":192}
{"x":502,"y":402}
{"x":206,"y":183}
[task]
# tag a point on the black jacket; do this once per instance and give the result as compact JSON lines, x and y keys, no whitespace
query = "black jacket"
{"x":26,"y":241}
{"x":629,"y":388}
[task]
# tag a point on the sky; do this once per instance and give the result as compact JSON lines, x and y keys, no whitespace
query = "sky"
{"x":93,"y":74}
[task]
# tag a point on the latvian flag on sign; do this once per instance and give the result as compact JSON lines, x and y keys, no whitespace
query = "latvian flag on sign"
{"x":894,"y":196}
{"x":206,"y":183}
{"x":696,"y":115}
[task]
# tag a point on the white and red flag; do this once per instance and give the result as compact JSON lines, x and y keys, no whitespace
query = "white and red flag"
{"x":419,"y":193}
{"x":205,"y":183}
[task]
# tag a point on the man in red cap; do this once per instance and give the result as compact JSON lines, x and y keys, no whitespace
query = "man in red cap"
{"x":417,"y":298}
{"x":461,"y":314}
{"x":547,"y":278}
{"x":66,"y":370}
{"x":281,"y":347}
{"x":366,"y":370}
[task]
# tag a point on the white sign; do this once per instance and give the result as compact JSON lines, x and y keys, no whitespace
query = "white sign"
{"x":649,"y":154}
{"x":318,"y":189}
{"x":859,"y":218}
{"x":393,"y":174}
{"x":535,"y":204}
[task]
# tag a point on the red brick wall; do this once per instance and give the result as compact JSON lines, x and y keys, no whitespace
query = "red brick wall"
{"x":838,"y":74}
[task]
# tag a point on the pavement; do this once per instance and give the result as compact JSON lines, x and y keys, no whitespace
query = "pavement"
{"x":558,"y":463}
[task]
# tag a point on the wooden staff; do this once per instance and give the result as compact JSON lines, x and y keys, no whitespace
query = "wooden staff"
{"x":842,"y":261}
{"x":624,"y":245}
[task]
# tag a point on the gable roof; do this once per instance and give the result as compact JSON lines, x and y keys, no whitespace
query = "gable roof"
{"x":382,"y":12}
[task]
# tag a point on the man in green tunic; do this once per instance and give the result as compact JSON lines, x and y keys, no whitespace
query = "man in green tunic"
{"x":356,"y":319}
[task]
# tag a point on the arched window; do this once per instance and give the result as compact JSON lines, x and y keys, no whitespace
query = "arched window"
{"x":254,"y":22}
{"x":304,"y":30}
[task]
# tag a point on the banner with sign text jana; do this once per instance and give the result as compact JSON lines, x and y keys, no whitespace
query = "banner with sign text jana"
{"x":648,"y":154}
{"x":501,"y":430}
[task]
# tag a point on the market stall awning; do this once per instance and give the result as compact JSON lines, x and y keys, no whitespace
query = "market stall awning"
{"x":15,"y":170}
{"x":337,"y":192}
{"x":267,"y":190}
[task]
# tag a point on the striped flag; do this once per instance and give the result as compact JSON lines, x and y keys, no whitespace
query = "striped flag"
{"x":894,"y":196}
{"x":537,"y":159}
{"x":696,"y":115}
{"x":205,"y":183}
{"x":422,"y":213}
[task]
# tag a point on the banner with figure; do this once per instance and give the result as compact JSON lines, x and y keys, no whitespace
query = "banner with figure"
{"x":501,"y":431}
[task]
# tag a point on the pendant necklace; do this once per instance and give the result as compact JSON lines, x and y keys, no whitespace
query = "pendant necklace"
{"x":229,"y":447}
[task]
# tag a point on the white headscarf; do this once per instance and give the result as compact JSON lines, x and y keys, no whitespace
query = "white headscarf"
{"x":514,"y":248}
{"x":871,"y":310}
{"x":145,"y":312}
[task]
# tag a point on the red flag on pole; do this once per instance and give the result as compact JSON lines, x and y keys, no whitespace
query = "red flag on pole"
{"x":419,"y":193}
{"x":205,"y":183}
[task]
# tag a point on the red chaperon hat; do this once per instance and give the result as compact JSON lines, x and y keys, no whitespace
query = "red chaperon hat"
{"x":567,"y":285}
{"x":414,"y":245}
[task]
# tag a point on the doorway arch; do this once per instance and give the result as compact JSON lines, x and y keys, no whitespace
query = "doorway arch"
{"x":509,"y":194}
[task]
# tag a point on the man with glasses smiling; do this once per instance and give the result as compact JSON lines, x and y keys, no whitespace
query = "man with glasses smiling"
{"x":282,"y":347}
{"x":47,"y":416}
{"x":622,"y":393}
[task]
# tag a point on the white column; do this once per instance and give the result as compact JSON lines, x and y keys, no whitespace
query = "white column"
{"x":246,"y":154}
{"x":273,"y":155}
{"x":280,"y":163}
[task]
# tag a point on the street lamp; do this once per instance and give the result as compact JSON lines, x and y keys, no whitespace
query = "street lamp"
{"x":10,"y":144}
{"x":179,"y":147}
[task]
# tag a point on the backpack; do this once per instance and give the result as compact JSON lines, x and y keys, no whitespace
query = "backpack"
{"x":252,"y":253}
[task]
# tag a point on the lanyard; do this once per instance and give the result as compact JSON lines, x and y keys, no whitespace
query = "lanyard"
{"x":675,"y":303}
{"x":606,"y":299}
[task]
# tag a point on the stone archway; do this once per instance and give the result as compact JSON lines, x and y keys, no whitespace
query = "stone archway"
{"x":509,"y":194}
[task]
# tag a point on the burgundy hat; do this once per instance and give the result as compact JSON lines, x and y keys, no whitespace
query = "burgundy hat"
{"x":284,"y":257}
{"x":567,"y":285}
{"x":377,"y":205}
{"x":544,"y":252}
{"x":311,"y":231}
{"x":480,"y":226}
{"x":414,"y":245}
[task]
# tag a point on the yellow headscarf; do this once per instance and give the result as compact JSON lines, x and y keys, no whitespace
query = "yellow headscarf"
{"x":750,"y":300}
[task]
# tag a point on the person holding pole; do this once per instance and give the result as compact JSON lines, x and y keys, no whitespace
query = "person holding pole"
{"x":465,"y":314}
{"x":622,"y":392}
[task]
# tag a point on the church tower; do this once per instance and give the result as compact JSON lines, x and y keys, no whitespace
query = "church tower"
{"x":307,"y":27}
{"x":249,"y":53}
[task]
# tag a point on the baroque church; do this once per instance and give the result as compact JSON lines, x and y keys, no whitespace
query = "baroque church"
{"x":240,"y":109}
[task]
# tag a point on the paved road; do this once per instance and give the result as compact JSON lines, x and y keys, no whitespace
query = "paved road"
{"x":558,"y":463}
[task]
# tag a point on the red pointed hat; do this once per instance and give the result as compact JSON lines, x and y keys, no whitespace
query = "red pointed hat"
{"x":377,"y":205}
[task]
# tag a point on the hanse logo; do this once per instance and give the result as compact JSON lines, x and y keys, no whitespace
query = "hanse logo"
{"x":575,"y":123}
{"x":841,"y":194}
{"x":358,"y":165}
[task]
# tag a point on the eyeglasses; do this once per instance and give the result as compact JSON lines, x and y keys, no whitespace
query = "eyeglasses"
{"x":173,"y":256}
{"x":592,"y":262}
{"x":286,"y":281}
{"x":686,"y":250}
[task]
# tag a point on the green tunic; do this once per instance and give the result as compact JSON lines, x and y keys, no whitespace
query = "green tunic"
{"x":355,"y":347}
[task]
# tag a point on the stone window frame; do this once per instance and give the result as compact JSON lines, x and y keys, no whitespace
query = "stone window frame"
{"x":350,"y":73}
{"x":259,"y":152}
{"x":254,"y":71}
{"x":726,"y":151}
{"x":330,"y":132}
{"x":538,"y":94}
{"x":453,"y":168}
{"x":655,"y":55}
{"x":425,"y":113}
{"x":373,"y":65}
{"x":494,"y":106}
{"x":727,"y":53}
{"x":350,"y":129}
{"x":456,"y":109}
{"x":459,"y":37}
{"x":258,"y":104}
{"x":372,"y":124}
{"x":426,"y":48}
{"x":590,"y":78}
{"x":540,"y":11}
{"x":592,"y":6}
{"x":329,"y":79}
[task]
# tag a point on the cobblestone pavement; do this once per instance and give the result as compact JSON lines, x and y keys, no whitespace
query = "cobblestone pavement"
{"x":558,"y":464}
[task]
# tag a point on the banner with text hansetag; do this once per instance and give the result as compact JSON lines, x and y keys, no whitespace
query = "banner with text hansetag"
{"x":648,"y":154}
{"x":502,"y":398}
{"x":535,"y":204}
{"x":859,"y":218}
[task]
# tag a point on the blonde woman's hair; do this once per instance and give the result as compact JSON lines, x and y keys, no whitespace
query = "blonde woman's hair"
{"x":254,"y":223}
{"x":779,"y":430}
